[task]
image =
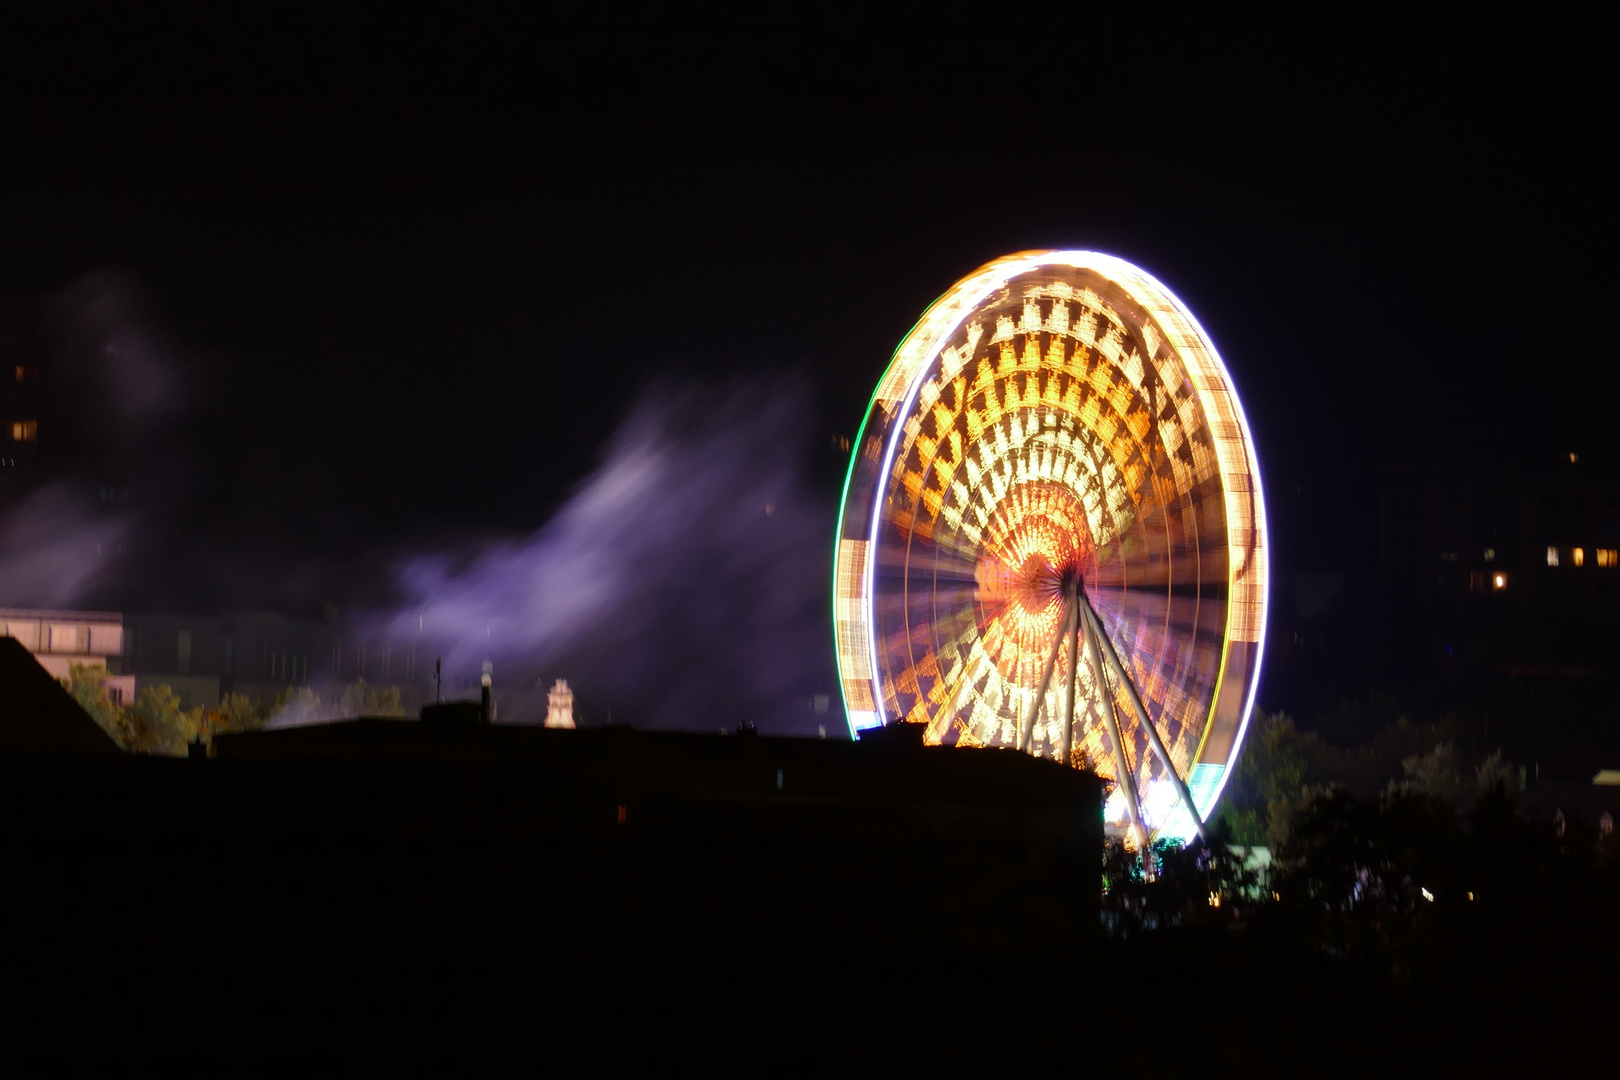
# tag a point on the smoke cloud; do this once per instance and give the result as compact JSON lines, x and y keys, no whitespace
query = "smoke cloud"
{"x":111,"y":394}
{"x":54,"y":547}
{"x":683,"y":584}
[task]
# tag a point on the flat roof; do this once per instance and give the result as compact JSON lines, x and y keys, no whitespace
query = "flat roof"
{"x":63,"y":616}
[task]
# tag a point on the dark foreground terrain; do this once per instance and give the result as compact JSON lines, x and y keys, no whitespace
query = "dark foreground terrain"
{"x":684,"y":904}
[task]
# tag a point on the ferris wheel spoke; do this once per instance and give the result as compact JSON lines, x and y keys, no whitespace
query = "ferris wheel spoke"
{"x":1026,"y":735}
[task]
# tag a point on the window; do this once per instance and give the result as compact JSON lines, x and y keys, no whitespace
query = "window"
{"x":1499,"y":581}
{"x":1490,"y":554}
{"x":1552,"y":556}
{"x":1578,"y":556}
{"x":67,"y":638}
{"x":24,"y":430}
{"x":21,"y":371}
{"x":1608,"y":557}
{"x":115,"y":694}
{"x":106,"y":640}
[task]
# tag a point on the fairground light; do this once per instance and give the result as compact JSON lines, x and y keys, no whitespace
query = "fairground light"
{"x":1053,"y":536}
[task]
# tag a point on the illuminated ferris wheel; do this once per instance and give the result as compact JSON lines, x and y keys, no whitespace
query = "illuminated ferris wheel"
{"x":1053,"y":536}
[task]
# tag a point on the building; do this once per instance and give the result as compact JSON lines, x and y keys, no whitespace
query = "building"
{"x":1486,"y":592}
{"x":60,"y":639}
{"x":560,"y":706}
{"x":1544,"y":538}
{"x":263,"y":654}
{"x":202,"y":658}
{"x":20,"y":404}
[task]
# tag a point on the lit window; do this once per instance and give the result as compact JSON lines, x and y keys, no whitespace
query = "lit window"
{"x":1573,"y":457}
{"x":1490,"y":554}
{"x":1499,"y":581}
{"x":20,"y":372}
{"x":1552,"y":556}
{"x":1608,"y":557}
{"x":1578,"y":556}
{"x":24,"y":430}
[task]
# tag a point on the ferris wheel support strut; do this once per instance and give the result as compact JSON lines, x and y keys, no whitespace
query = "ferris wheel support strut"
{"x":1122,"y":764}
{"x":1074,"y":670}
{"x":1142,"y":717}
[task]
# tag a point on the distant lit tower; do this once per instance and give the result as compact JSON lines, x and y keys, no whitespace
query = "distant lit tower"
{"x":560,"y":706}
{"x":22,"y":346}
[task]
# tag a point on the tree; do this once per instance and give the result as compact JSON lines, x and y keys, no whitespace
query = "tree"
{"x":363,"y":699}
{"x":153,"y":724}
{"x":159,"y":725}
{"x":1439,"y":774}
{"x":84,"y":683}
{"x":1268,"y":784}
{"x":1365,"y":875}
{"x":238,"y":712}
{"x":1203,"y":881}
{"x":1435,"y":774}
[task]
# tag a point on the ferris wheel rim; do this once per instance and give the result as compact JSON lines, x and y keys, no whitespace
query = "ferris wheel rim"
{"x":943,"y":318}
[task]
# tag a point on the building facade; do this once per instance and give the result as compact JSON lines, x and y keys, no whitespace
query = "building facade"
{"x":263,"y":654}
{"x":60,"y":639}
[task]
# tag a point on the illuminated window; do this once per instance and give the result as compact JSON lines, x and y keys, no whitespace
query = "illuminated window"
{"x":20,"y":372}
{"x":1499,"y":581}
{"x":1490,"y":554}
{"x":1578,"y":556}
{"x":1573,"y":457}
{"x":24,"y":430}
{"x":1608,"y":557}
{"x":1552,"y":556}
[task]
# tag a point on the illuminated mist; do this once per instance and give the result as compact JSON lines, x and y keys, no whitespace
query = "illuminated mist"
{"x":55,"y":546}
{"x":683,"y":584}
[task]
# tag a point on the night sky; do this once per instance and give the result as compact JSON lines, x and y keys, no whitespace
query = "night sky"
{"x":413,"y":266}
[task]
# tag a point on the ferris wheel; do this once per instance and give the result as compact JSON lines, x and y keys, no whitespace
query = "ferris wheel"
{"x":1053,"y":536}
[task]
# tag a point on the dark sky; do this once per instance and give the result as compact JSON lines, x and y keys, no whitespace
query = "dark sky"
{"x":419,"y":262}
